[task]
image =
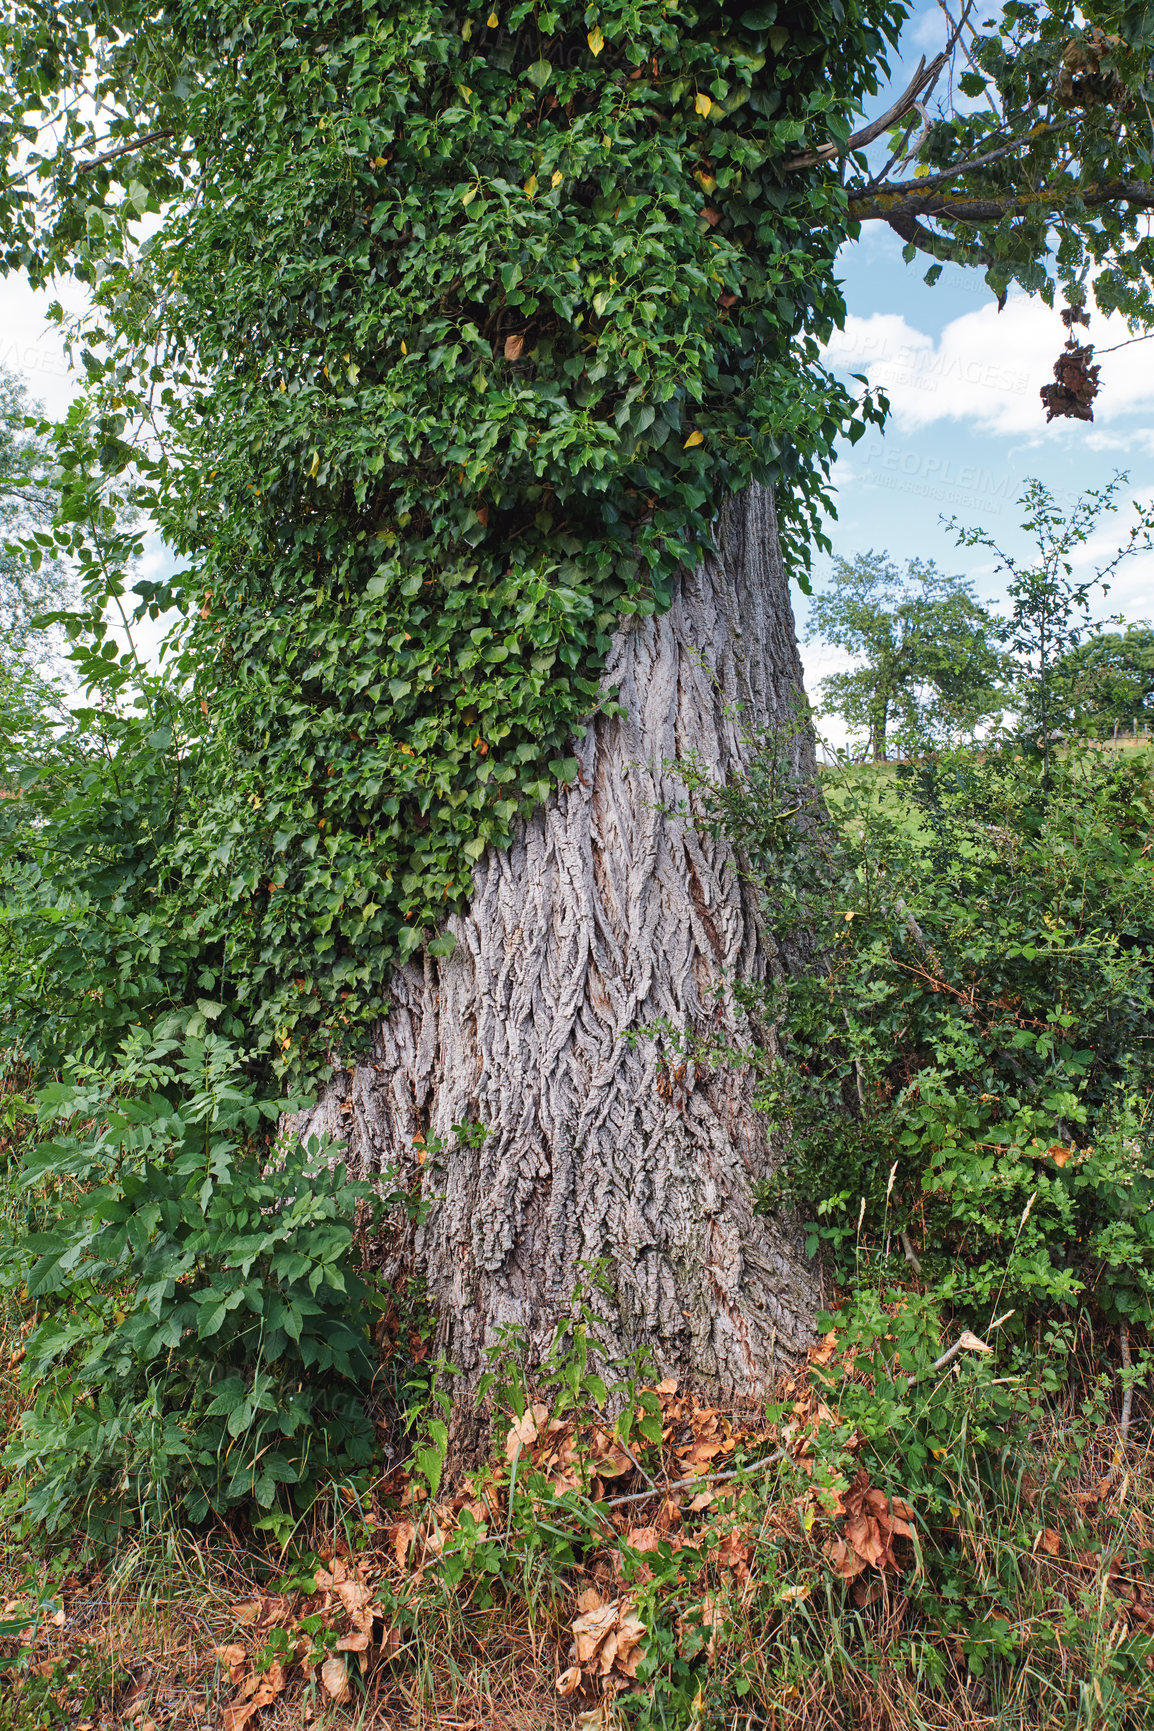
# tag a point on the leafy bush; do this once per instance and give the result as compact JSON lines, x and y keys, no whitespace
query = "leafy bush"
{"x":201,"y":1338}
{"x":968,"y":1072}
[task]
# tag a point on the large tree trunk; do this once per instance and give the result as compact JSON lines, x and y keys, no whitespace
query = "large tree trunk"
{"x":613,"y":924}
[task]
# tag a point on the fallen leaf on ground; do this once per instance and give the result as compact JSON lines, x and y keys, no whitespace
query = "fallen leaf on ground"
{"x":335,"y":1680}
{"x":608,"y":1636}
{"x":526,"y":1430}
{"x":569,"y":1680}
{"x":400,"y":1538}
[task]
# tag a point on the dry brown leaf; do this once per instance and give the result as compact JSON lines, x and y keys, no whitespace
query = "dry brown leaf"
{"x":712,"y":1616}
{"x":844,"y":1562}
{"x":264,"y":1609}
{"x":569,"y":1680}
{"x":514,"y":346}
{"x":526,"y":1430}
{"x":591,"y":1629}
{"x":356,"y":1600}
{"x":1048,"y":1539}
{"x":401,"y":1537}
{"x":610,"y":1459}
{"x":823,"y":1353}
{"x":264,"y":1686}
{"x":630,"y":1635}
{"x":590,"y":1600}
{"x":863,"y":1533}
{"x":734,"y":1553}
{"x":335,"y":1680}
{"x":355,"y":1643}
{"x":667,"y":1386}
{"x":643,"y":1538}
{"x":233,"y":1654}
{"x":236,"y":1717}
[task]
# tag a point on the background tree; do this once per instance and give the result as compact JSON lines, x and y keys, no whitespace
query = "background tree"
{"x":31,"y":580}
{"x":930,"y":661}
{"x":457,"y":369}
{"x":1106,"y":682}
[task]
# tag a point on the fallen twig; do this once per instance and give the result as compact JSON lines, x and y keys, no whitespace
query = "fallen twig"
{"x":696,"y":1479}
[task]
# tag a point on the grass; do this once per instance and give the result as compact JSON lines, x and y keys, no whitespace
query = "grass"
{"x":1023,"y":1600}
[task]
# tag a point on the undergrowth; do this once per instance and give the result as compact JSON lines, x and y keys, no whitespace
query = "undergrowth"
{"x":945,"y":1518}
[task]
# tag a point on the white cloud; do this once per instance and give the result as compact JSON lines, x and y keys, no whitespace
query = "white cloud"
{"x":31,"y":346}
{"x":988,"y":367}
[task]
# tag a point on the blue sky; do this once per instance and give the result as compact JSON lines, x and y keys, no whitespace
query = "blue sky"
{"x":967,"y":426}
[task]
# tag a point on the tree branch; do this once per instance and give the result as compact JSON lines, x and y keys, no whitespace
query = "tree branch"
{"x":858,"y":140}
{"x":923,"y":80}
{"x":122,"y":150}
{"x":904,"y":212}
{"x":887,"y":205}
{"x":931,"y":182}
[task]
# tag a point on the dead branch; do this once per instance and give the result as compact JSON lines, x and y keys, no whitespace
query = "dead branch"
{"x":924,"y":76}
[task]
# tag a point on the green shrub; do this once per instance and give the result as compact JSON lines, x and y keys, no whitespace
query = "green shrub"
{"x":968,"y":1071}
{"x":201,"y":1337}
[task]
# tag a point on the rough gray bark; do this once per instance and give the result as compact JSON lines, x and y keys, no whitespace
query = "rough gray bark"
{"x":609,"y":914}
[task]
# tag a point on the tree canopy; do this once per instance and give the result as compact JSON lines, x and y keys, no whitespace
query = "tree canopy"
{"x":449,"y":329}
{"x":1107,"y":681}
{"x":930,"y":663}
{"x":28,"y":502}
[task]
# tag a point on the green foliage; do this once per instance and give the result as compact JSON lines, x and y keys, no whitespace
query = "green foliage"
{"x":202,"y":1337}
{"x":1052,"y":130}
{"x":1106,"y":682}
{"x":422,"y":475}
{"x":931,"y":664}
{"x":30,"y":582}
{"x":449,"y":340}
{"x":98,"y":932}
{"x":76,"y":1689}
{"x":974,"y":1057}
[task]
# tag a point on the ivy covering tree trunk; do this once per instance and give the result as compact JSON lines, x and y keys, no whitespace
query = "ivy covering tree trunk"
{"x":615,"y":926}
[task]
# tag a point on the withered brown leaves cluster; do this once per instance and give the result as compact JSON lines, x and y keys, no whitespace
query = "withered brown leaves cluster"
{"x":1076,"y":378}
{"x":343,"y":1603}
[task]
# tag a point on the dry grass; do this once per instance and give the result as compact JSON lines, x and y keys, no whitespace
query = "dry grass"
{"x":152,"y":1618}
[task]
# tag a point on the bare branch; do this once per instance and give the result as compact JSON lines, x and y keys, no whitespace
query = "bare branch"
{"x":122,"y":150}
{"x":925,"y":75}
